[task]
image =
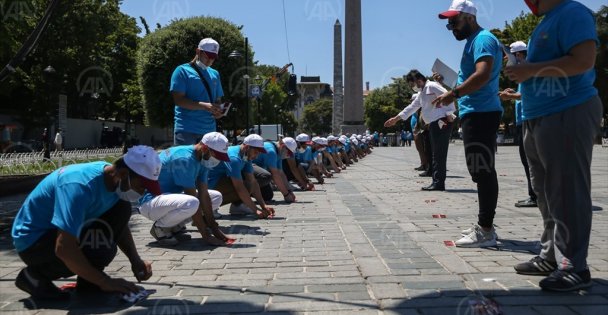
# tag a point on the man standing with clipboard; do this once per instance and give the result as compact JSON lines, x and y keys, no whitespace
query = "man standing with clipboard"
{"x":196,"y":90}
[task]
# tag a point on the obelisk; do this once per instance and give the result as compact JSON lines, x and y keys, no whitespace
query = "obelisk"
{"x":338,"y":108}
{"x":353,"y":71}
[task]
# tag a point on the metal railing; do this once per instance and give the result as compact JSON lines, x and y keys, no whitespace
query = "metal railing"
{"x":17,"y":159}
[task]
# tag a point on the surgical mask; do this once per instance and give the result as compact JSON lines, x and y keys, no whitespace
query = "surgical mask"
{"x":210,"y":163}
{"x":321,"y":149}
{"x":533,"y":7}
{"x":301,"y":150}
{"x":416,"y":89}
{"x":201,"y":64}
{"x":129,"y":195}
{"x":245,"y":156}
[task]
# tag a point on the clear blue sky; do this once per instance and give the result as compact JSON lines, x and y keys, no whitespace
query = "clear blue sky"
{"x":398,"y":35}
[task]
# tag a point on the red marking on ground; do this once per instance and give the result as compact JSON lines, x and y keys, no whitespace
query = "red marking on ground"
{"x":449,"y":243}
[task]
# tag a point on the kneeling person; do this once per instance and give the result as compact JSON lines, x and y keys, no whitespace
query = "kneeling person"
{"x":74,"y":220}
{"x":186,"y":197}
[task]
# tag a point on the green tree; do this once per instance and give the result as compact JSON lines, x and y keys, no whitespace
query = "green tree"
{"x":164,"y":49}
{"x":386,"y":102}
{"x":317,"y":117}
{"x":91,"y":44}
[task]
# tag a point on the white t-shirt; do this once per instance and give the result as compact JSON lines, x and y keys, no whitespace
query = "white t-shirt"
{"x":430,"y":113}
{"x":58,"y":138}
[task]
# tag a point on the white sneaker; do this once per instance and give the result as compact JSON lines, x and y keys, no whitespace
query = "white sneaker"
{"x":241,"y":209}
{"x":478,"y":238}
{"x":472,"y":228}
{"x":164,"y":236}
{"x":180,"y":232}
{"x":217,"y":214}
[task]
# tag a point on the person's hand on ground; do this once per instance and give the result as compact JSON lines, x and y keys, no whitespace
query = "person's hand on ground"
{"x":142,"y":270}
{"x":118,"y":285}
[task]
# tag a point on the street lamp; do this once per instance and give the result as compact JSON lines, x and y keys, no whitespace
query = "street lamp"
{"x":258,"y":81}
{"x":48,"y":73}
{"x":237,"y":54}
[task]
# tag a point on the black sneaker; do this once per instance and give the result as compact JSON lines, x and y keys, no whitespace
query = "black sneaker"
{"x":528,"y":203}
{"x":536,"y":267}
{"x":38,"y":288}
{"x":563,"y":281}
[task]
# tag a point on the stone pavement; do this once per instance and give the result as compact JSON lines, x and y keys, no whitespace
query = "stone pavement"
{"x":364,"y":243}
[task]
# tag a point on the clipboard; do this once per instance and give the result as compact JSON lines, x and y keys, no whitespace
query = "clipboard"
{"x":450,"y":76}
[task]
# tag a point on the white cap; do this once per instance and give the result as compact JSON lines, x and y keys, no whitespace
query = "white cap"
{"x":332,"y":138}
{"x":342,"y":140}
{"x":303,"y":138}
{"x":255,"y":141}
{"x":290,"y":143}
{"x":458,"y":6}
{"x":320,"y":140}
{"x":518,"y":46}
{"x":218,"y":143}
{"x":209,"y":45}
{"x":355,"y":142}
{"x":144,"y":161}
{"x":359,"y":137}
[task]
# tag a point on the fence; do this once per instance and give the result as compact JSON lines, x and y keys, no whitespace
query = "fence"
{"x":17,"y":159}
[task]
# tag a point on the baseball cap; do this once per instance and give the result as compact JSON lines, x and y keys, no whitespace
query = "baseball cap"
{"x":342,"y":140}
{"x":332,"y":138}
{"x":518,"y":46}
{"x":320,"y":141}
{"x":457,"y":7}
{"x":255,"y":141}
{"x":218,"y":143}
{"x":144,"y":161}
{"x":210,"y":47}
{"x":303,"y":138}
{"x":291,"y":144}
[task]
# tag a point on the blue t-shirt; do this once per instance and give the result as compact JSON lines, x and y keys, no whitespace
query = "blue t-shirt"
{"x":304,"y":157}
{"x":518,"y":109}
{"x":186,"y":80}
{"x":232,"y":169}
{"x":270,"y":159}
{"x":67,"y":199}
{"x":564,"y":27}
{"x":180,"y":170}
{"x":347,"y":146}
{"x":479,"y":45}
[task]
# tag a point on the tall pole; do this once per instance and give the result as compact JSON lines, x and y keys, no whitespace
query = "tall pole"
{"x":247,"y":81}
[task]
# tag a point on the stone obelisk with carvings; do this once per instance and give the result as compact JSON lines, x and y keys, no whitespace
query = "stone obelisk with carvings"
{"x":338,"y":109}
{"x":353,"y":70}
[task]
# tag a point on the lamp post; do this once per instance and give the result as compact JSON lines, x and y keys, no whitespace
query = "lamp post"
{"x":237,"y":54}
{"x":258,"y":81}
{"x":48,"y":73}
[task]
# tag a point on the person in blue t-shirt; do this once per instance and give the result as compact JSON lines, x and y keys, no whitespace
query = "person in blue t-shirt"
{"x":186,"y":197}
{"x":271,"y":163}
{"x":332,"y":154}
{"x":561,"y":113}
{"x":74,"y":220}
{"x":305,"y":160}
{"x":480,"y":110}
{"x":236,"y":181}
{"x":520,"y":50}
{"x":197,"y":98}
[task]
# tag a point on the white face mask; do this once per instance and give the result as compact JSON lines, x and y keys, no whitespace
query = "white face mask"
{"x":201,"y":64}
{"x":416,"y":89}
{"x":210,"y":163}
{"x":301,"y":150}
{"x":245,"y":156}
{"x":129,"y":195}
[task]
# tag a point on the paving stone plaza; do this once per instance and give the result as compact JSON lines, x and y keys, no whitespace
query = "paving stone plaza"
{"x":367,"y":242}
